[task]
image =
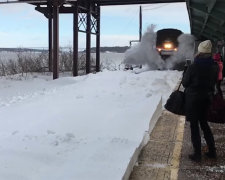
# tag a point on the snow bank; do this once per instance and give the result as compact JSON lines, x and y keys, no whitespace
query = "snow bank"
{"x":79,"y":128}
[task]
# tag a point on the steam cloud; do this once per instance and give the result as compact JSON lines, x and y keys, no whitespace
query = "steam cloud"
{"x":185,"y":51}
{"x":145,"y":52}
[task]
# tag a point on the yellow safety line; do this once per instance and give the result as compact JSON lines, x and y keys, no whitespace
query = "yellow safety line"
{"x":175,"y":161}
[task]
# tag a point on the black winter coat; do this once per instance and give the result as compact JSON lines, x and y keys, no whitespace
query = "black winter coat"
{"x":199,"y":81}
{"x":201,"y":77}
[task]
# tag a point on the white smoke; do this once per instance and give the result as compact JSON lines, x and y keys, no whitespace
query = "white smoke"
{"x":185,"y":51}
{"x":145,"y":53}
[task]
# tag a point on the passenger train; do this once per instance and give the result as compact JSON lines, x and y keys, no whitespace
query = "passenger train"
{"x":166,"y":42}
{"x":166,"y":45}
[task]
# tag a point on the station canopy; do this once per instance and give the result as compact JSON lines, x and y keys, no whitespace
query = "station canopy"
{"x":207,"y":17}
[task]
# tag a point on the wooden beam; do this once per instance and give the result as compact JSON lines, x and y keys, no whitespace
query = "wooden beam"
{"x":55,"y":41}
{"x":75,"y":40}
{"x":126,"y":2}
{"x":62,"y":9}
{"x":22,"y":1}
{"x":88,"y":39}
{"x":98,"y":41}
{"x":50,"y":60}
{"x":66,"y":10}
{"x":140,"y":24}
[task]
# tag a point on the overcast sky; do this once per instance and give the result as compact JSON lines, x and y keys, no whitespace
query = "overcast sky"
{"x":22,"y":26}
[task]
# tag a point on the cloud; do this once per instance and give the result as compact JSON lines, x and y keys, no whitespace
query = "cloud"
{"x":18,"y":39}
{"x":20,"y":11}
{"x":120,"y":11}
{"x":119,"y":24}
{"x":13,"y":8}
{"x":164,"y":15}
{"x":155,"y":10}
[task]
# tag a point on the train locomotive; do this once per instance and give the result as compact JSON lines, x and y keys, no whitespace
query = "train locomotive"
{"x":166,"y":42}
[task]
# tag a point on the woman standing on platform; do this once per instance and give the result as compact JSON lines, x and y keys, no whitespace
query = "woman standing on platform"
{"x":199,"y":81}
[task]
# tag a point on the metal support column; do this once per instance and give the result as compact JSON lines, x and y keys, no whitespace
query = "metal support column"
{"x":50,"y":43}
{"x":88,"y":38}
{"x":55,"y":41}
{"x":75,"y":40}
{"x":98,"y":41}
{"x":140,"y":24}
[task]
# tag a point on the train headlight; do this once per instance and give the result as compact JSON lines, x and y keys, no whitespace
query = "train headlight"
{"x":168,"y":46}
{"x":159,"y":49}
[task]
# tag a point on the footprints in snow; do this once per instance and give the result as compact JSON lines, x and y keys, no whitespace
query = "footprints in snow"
{"x":51,"y":138}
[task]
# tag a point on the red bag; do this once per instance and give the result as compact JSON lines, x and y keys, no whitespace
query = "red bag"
{"x":216,"y":112}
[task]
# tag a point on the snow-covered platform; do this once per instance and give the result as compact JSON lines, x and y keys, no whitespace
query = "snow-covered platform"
{"x":82,"y":128}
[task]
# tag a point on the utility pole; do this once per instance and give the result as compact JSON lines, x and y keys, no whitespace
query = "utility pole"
{"x":140,"y":24}
{"x":140,"y":27}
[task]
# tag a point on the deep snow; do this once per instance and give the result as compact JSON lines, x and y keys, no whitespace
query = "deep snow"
{"x":79,"y":128}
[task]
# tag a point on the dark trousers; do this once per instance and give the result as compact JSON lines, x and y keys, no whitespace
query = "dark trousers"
{"x":218,"y":88}
{"x":196,"y":113}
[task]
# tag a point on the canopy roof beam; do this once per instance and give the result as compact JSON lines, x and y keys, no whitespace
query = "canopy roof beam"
{"x":126,"y":2}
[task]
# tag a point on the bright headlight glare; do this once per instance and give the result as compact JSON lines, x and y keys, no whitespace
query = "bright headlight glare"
{"x":167,"y":45}
{"x":159,"y":49}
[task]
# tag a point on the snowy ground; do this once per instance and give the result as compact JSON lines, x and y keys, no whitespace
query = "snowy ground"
{"x":79,"y":128}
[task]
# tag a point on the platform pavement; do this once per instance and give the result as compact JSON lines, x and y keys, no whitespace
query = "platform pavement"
{"x":159,"y":159}
{"x":207,"y":169}
{"x":165,"y":157}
